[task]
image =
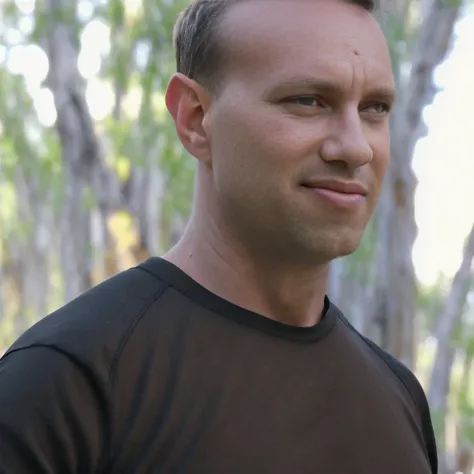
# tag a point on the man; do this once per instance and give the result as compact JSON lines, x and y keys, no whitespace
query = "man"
{"x":225,"y":356}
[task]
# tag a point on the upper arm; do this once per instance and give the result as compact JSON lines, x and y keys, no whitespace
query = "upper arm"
{"x":428,"y":431}
{"x":415,"y":390}
{"x":417,"y":393}
{"x":421,"y":402}
{"x":53,"y":414}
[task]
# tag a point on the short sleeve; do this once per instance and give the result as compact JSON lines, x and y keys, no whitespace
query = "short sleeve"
{"x":421,"y":402}
{"x":53,"y":414}
{"x":417,"y":393}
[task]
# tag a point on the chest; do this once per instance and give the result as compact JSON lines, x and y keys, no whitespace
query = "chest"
{"x":277,"y":414}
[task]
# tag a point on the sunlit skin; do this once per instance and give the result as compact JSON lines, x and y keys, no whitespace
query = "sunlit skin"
{"x":292,"y":151}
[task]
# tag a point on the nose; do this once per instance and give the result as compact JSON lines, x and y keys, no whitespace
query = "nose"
{"x":346,"y":142}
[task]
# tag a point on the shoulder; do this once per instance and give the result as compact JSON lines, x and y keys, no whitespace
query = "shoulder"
{"x":93,"y":327}
{"x":412,"y":386}
{"x":68,"y":360}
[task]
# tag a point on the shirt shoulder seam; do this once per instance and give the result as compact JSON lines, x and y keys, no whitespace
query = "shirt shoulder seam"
{"x":130,"y":329}
{"x":395,"y":368}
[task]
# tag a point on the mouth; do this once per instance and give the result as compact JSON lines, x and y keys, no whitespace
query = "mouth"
{"x":341,"y":194}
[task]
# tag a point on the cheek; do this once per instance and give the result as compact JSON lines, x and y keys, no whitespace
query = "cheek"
{"x":238,"y":165}
{"x":260,"y":146}
{"x":250,"y":143}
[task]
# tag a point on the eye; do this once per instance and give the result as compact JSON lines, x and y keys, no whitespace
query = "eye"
{"x":306,"y":101}
{"x":379,"y":108}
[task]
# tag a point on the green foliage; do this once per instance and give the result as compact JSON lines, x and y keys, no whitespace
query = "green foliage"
{"x":430,"y":301}
{"x":395,"y":32}
{"x":438,"y":421}
{"x":7,"y":208}
{"x":137,"y":65}
{"x":466,"y":409}
{"x":116,"y":13}
{"x":450,"y":3}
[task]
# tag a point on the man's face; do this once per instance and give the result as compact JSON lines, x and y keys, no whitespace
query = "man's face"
{"x":299,"y":132}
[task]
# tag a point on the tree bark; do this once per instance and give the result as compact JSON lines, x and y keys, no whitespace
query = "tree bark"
{"x":393,"y":301}
{"x":85,"y":173}
{"x":447,"y":321}
{"x":33,"y":258}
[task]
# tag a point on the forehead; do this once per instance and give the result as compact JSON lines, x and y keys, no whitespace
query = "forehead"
{"x":271,"y":38}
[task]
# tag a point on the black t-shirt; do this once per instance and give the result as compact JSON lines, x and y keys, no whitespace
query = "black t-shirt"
{"x":149,"y":373}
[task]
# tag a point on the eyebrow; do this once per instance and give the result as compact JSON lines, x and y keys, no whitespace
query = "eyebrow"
{"x":331,"y":87}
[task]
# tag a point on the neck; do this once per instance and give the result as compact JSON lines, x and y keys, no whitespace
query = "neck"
{"x":275,"y":289}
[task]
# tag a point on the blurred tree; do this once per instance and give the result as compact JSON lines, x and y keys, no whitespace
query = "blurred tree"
{"x":99,"y":194}
{"x":93,"y":180}
{"x":419,"y":35}
{"x":448,"y":321}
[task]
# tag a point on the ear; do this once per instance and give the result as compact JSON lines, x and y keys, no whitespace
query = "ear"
{"x":188,"y":102}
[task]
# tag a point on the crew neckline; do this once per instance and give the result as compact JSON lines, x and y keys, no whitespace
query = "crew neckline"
{"x":172,"y":275}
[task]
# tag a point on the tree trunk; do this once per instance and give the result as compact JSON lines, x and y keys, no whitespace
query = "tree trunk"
{"x":32,"y":249}
{"x":447,"y":321}
{"x":147,"y":191}
{"x":84,"y":171}
{"x":393,"y":302}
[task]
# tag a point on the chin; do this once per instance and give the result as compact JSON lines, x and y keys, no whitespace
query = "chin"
{"x":347,"y":246}
{"x":346,"y":250}
{"x":334,"y":248}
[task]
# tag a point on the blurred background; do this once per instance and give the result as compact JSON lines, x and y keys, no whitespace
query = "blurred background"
{"x":93,"y":180}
